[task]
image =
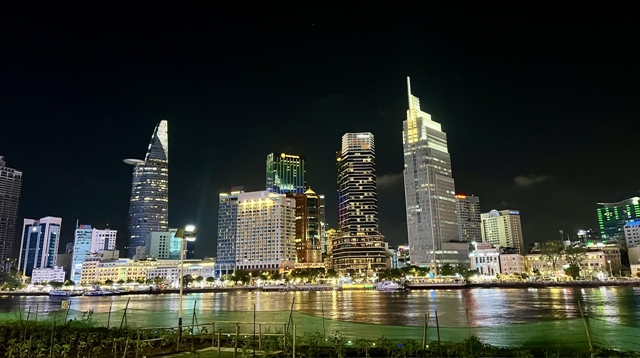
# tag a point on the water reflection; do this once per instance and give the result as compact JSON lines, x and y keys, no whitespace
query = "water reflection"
{"x":487,"y":307}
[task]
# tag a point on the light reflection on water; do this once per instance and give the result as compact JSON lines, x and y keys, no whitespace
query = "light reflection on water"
{"x":486,"y":307}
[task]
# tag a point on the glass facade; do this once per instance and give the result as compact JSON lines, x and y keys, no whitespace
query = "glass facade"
{"x":428,"y":185}
{"x":227,"y":232}
{"x":613,"y":216}
{"x":468,"y":213}
{"x":286,"y":173}
{"x":10,"y":186}
{"x":39,"y":246}
{"x":308,"y":227}
{"x":149,"y":204}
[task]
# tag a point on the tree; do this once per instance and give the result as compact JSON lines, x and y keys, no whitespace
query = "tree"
{"x":199,"y":279}
{"x":275,"y":276}
{"x":552,"y":251}
{"x":241,"y":276}
{"x":447,"y":270}
{"x":140,"y":280}
{"x":186,"y":280}
{"x":211,"y":279}
{"x":129,"y":280}
{"x":331,"y":273}
{"x":573,"y":270}
{"x":108,"y":282}
{"x":69,"y":283}
{"x":55,"y":284}
{"x":575,"y":255}
{"x":158,"y":280}
{"x":120,"y":281}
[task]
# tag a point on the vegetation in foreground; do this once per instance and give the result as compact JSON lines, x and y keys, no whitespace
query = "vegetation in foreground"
{"x":82,"y":338}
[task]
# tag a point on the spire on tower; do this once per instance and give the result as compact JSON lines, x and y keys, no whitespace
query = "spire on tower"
{"x":409,"y":92}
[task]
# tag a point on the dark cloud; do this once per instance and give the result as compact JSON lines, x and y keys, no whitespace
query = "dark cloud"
{"x":527,"y":180}
{"x":389,"y":180}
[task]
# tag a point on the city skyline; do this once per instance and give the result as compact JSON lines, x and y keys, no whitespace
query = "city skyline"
{"x":496,"y":102}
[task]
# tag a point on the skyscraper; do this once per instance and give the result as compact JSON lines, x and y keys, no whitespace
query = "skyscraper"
{"x":39,"y":246}
{"x":468,"y":213}
{"x":266,"y":231}
{"x":503,"y":228}
{"x":10,"y":185}
{"x":90,"y":241}
{"x":360,"y":245}
{"x":428,"y":185}
{"x":286,"y":173}
{"x":149,"y":205}
{"x":308,"y":229}
{"x":613,"y":216}
{"x":227,"y":231}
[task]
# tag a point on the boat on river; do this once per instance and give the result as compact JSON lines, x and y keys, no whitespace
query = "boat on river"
{"x":436,"y":282}
{"x":98,"y":293}
{"x":59,"y":293}
{"x":389,"y":286}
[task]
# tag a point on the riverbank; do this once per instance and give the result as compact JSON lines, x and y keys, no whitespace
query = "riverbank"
{"x":304,"y":288}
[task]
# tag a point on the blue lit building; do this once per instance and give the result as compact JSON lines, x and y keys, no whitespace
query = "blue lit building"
{"x":39,"y":246}
{"x":286,"y":173}
{"x":227,"y":231}
{"x":149,"y":204}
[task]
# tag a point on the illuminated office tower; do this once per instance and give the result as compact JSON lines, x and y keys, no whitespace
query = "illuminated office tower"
{"x":308,"y":229}
{"x":360,"y":245}
{"x":149,"y":204}
{"x":10,"y":186}
{"x":88,"y":241}
{"x":265,"y":232}
{"x":39,"y":246}
{"x":286,"y":173}
{"x":613,"y":216}
{"x":323,"y":226}
{"x":503,"y":228}
{"x":227,"y":231}
{"x":428,"y":186}
{"x":468,"y":213}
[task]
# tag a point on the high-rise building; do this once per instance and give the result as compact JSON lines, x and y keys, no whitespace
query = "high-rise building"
{"x":613,"y":216}
{"x":149,"y":205}
{"x":89,"y":241}
{"x":502,"y":228}
{"x":308,"y":229}
{"x":266,"y":231}
{"x":163,"y":245}
{"x":360,"y":245}
{"x":286,"y":173}
{"x":227,"y":231}
{"x":10,"y":185}
{"x":39,"y":246}
{"x":429,"y":187}
{"x":323,"y":226}
{"x":468,"y":213}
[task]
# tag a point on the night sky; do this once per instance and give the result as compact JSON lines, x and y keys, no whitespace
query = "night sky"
{"x":540,"y":102}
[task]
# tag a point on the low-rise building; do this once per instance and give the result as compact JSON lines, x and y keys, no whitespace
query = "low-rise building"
{"x":632,"y":233}
{"x":594,"y":263}
{"x":486,"y":260}
{"x":54,"y":274}
{"x":512,"y":264}
{"x":130,"y":270}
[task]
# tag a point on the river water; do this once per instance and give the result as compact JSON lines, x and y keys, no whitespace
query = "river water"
{"x":617,"y":308}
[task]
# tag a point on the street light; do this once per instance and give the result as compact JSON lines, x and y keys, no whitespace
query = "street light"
{"x":186,"y":234}
{"x":610,"y":272}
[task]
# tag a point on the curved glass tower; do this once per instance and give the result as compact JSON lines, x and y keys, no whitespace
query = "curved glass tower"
{"x":149,"y":205}
{"x":428,"y":186}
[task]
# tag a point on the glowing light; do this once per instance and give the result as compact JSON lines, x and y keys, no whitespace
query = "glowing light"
{"x":190,"y":228}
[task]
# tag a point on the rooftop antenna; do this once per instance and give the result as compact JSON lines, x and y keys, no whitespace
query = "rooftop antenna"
{"x":409,"y":93}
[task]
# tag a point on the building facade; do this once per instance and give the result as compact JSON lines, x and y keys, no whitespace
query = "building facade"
{"x":286,"y":173}
{"x":512,"y":264}
{"x":502,"y":228}
{"x":632,"y":233}
{"x":227,"y":231}
{"x":266,"y":231}
{"x":468,"y":214}
{"x":49,"y":274}
{"x":612,"y":217}
{"x":308,"y":229}
{"x":163,"y":245}
{"x":486,"y":261}
{"x":10,"y":187}
{"x":149,"y":203}
{"x":360,"y":245}
{"x":39,"y":246}
{"x":594,"y":263}
{"x":428,"y":185}
{"x":89,"y":241}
